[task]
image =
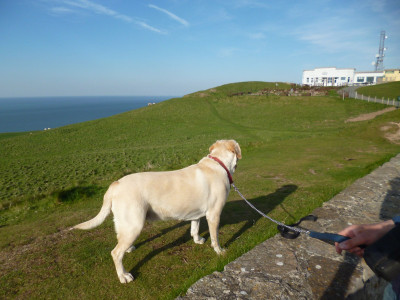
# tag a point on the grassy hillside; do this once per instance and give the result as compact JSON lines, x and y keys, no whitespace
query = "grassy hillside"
{"x":297,"y":153}
{"x":388,"y":90}
{"x":241,"y":88}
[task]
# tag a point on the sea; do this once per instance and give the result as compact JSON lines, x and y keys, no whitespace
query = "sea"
{"x":43,"y":113}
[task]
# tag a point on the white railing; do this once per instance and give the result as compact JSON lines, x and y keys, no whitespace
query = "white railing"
{"x":383,"y":100}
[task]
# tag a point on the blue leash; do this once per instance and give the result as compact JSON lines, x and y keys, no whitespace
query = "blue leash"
{"x":283,"y":228}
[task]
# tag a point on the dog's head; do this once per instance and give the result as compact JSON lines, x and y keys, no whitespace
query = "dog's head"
{"x":228,"y":151}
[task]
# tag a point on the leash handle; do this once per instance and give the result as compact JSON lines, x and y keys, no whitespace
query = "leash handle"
{"x":328,"y":236}
{"x":325,"y":236}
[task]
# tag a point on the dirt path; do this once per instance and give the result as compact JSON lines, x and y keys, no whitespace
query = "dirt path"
{"x":370,"y":116}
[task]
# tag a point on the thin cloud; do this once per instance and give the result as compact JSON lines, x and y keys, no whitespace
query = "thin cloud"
{"x":332,"y":35}
{"x":170,"y":14}
{"x":61,"y":10}
{"x":101,"y":10}
{"x":147,"y":26}
{"x":331,"y":41}
{"x":96,"y":8}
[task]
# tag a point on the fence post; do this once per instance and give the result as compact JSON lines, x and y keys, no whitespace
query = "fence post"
{"x":355,"y":95}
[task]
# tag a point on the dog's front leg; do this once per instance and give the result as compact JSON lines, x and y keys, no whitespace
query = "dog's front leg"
{"x":213,"y":224}
{"x":194,"y":232}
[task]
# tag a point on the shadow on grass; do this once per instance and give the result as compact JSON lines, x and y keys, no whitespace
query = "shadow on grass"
{"x":163,"y":231}
{"x":239,"y":211}
{"x":234,"y":212}
{"x":77,"y":193}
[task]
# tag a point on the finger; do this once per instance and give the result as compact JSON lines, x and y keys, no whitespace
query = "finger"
{"x":352,"y":243}
{"x":349,"y":231}
{"x":338,"y":250}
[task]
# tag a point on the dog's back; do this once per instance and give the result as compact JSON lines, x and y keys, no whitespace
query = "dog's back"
{"x":179,"y":194}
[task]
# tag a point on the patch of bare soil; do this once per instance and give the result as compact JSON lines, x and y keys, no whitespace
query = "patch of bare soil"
{"x":15,"y":257}
{"x":392,"y":132}
{"x":370,"y":116}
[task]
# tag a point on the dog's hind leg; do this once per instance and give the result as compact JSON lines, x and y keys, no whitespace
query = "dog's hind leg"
{"x":194,"y":232}
{"x":128,"y":224}
{"x":125,"y":241}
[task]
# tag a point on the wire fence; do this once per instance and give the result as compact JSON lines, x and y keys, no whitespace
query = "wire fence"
{"x":383,"y":100}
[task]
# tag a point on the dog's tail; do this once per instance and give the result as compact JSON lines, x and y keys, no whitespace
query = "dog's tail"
{"x":104,"y":211}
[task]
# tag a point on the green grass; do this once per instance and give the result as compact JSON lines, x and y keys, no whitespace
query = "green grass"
{"x":387,"y":90}
{"x":298,"y":152}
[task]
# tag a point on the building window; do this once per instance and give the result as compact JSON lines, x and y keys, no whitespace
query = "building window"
{"x":360,"y":79}
{"x":308,"y":79}
{"x":343,"y":78}
{"x":370,"y":79}
{"x":348,"y":79}
{"x":329,"y":79}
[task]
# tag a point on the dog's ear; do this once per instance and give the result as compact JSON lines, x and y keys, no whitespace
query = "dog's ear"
{"x":235,"y":148}
{"x":238,"y":151}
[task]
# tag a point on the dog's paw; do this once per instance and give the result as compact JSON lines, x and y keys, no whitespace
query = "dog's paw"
{"x":125,"y":277}
{"x":199,"y":240}
{"x":220,"y":251}
{"x":130,"y":249}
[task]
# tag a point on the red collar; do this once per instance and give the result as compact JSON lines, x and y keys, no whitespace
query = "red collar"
{"x":222,"y":165}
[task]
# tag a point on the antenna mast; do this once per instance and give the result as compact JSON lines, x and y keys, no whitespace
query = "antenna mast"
{"x":381,"y":55}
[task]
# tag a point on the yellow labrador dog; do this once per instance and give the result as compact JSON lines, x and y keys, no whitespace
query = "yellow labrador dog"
{"x":187,"y":194}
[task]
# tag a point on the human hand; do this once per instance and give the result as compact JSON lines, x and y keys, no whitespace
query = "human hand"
{"x":365,"y":234}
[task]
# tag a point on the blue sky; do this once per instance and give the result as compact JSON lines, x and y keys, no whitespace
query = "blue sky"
{"x":175,"y":47}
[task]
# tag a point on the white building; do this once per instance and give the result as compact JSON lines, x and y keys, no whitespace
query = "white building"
{"x":339,"y":77}
{"x":328,"y":77}
{"x":367,"y":77}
